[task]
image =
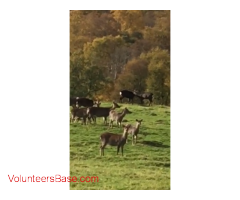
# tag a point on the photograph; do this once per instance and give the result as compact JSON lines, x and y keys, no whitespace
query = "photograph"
{"x":120,"y":99}
{"x":146,"y":88}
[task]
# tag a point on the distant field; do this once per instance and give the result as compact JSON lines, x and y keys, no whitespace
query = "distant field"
{"x":144,"y":166}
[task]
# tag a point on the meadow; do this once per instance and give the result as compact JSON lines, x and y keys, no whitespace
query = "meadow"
{"x":144,"y":166}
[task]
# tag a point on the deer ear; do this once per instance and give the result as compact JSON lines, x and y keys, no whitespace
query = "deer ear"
{"x":136,"y":120}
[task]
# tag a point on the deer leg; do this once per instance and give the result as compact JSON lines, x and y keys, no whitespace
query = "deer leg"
{"x":132,"y":138}
{"x":89,"y":120}
{"x":118,"y":149}
{"x":84,"y":120}
{"x":150,"y":102}
{"x":122,"y":150}
{"x":102,"y":149}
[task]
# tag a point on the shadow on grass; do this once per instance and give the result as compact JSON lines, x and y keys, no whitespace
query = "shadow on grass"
{"x":155,"y":144}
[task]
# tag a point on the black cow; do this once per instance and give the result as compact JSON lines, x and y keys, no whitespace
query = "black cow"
{"x":73,"y":101}
{"x":126,"y":94}
{"x":81,"y":101}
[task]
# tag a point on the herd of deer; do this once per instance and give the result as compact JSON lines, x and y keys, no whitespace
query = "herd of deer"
{"x":91,"y":110}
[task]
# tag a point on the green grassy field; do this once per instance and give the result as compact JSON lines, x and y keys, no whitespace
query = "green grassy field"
{"x":144,"y":166}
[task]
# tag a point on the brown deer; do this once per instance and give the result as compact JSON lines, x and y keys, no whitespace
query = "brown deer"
{"x":134,"y":130}
{"x":118,"y":117}
{"x":101,"y":112}
{"x":113,"y":139}
{"x":77,"y":113}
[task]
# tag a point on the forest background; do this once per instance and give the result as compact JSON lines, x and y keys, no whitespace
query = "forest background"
{"x":121,"y":49}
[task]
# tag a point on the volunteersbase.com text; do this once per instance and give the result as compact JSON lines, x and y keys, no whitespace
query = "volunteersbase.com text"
{"x":56,"y":178}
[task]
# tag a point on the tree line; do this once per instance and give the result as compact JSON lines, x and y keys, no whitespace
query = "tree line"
{"x":115,"y":50}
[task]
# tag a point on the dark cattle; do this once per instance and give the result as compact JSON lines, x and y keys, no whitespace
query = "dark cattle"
{"x":85,"y":102}
{"x":146,"y":95}
{"x":73,"y":101}
{"x":81,"y":101}
{"x":126,"y":94}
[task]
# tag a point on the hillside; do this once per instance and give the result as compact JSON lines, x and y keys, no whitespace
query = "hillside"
{"x":145,"y":165}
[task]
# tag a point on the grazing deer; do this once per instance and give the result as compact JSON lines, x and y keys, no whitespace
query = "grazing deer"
{"x":118,"y":117}
{"x":113,"y":139}
{"x":101,"y":112}
{"x":77,"y":113}
{"x":134,"y":130}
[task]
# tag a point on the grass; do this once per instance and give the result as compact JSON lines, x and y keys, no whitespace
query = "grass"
{"x":144,"y":166}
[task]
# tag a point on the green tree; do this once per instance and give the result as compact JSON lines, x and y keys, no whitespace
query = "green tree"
{"x":109,"y":53}
{"x":158,"y":80}
{"x":85,"y":80}
{"x":134,"y":75}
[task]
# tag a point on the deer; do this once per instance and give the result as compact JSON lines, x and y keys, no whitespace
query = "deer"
{"x":134,"y":130}
{"x":77,"y":113}
{"x":101,"y":112}
{"x":118,"y":117}
{"x":113,"y":139}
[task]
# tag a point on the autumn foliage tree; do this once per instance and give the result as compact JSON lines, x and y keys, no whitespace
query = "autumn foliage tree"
{"x":133,"y":77}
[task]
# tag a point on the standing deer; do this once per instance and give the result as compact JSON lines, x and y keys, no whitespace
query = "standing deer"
{"x":134,"y":130}
{"x":118,"y":117}
{"x":113,"y":139}
{"x":101,"y":112}
{"x":77,"y":113}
